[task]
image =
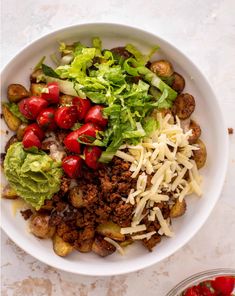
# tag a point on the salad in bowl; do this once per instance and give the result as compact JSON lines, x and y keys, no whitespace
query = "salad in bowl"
{"x":105,"y":150}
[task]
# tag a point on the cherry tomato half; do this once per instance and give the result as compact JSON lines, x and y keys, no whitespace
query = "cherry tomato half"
{"x":51,"y":93}
{"x":83,"y":105}
{"x":192,"y":291}
{"x":65,"y":117}
{"x":71,"y":142}
{"x":95,"y":115}
{"x":31,"y":140}
{"x":72,"y":165}
{"x":32,"y":106}
{"x":92,"y":155}
{"x":87,"y":132}
{"x":46,"y":119}
{"x":223,"y":284}
{"x":36,"y":129}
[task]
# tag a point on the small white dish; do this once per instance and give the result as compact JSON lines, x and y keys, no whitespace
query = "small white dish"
{"x":207,"y":113}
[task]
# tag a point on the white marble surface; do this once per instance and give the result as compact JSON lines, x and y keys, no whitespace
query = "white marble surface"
{"x":205,"y":31}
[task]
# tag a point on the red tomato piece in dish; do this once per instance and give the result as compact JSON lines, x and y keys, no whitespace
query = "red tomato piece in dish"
{"x":46,"y":119}
{"x":72,"y":165}
{"x":96,"y":116}
{"x":36,"y":129}
{"x":223,"y":285}
{"x":51,"y":93}
{"x":87,"y":132}
{"x":71,"y":142}
{"x":31,"y":140}
{"x":83,"y":105}
{"x":32,"y":106}
{"x":65,"y":117}
{"x":92,"y":155}
{"x":192,"y":291}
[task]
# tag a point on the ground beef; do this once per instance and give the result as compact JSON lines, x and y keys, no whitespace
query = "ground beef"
{"x":26,"y":214}
{"x":103,"y":193}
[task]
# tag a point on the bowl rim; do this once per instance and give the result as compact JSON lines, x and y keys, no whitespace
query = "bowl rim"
{"x":223,"y":169}
{"x":198,"y":277}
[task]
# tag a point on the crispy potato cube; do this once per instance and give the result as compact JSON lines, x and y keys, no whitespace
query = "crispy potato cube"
{"x":60,"y":247}
{"x":9,"y":193}
{"x":110,"y":230}
{"x":178,"y":209}
{"x":36,"y":88}
{"x":200,"y":155}
{"x":16,"y":92}
{"x":11,"y":120}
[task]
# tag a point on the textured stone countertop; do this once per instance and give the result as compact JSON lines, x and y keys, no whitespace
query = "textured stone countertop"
{"x":205,"y":32}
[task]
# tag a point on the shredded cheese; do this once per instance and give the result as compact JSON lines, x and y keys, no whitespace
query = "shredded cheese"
{"x":129,"y":230}
{"x":160,"y":163}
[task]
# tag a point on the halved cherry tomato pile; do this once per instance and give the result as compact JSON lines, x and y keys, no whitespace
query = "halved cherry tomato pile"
{"x":220,"y":286}
{"x":48,"y":115}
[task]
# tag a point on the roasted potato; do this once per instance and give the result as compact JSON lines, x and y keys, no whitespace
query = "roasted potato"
{"x":200,"y":155}
{"x":66,"y":99}
{"x":121,"y":52}
{"x":102,"y":248}
{"x":126,"y":243}
{"x":11,"y":120}
{"x":84,"y":246}
{"x":40,"y":227}
{"x":16,"y":92}
{"x":178,"y":83}
{"x":61,"y":248}
{"x":162,"y":68}
{"x":184,"y":106}
{"x":20,"y":131}
{"x":196,"y":132}
{"x":110,"y":230}
{"x":9,"y":193}
{"x":36,"y":88}
{"x":11,"y":141}
{"x":178,"y":209}
{"x":37,"y":76}
{"x":76,"y":197}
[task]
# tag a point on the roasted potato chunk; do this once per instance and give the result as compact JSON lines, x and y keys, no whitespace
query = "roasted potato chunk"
{"x":21,"y":130}
{"x":178,"y":209}
{"x":84,"y":246}
{"x":101,"y":247}
{"x":16,"y":92}
{"x":76,"y":197}
{"x":184,"y":106}
{"x":126,"y":243}
{"x":200,"y":155}
{"x":40,"y":227}
{"x":196,"y":132}
{"x":11,"y":120}
{"x":9,"y":193}
{"x":66,"y":100}
{"x":110,"y":230}
{"x":36,"y":89}
{"x":11,"y":141}
{"x":60,"y":247}
{"x":178,"y":83}
{"x":162,"y":68}
{"x":37,"y":76}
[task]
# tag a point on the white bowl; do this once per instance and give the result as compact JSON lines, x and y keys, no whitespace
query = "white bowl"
{"x":214,"y":134}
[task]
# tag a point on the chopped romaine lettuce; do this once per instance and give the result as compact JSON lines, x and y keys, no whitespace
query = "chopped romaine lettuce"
{"x":122,"y":87}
